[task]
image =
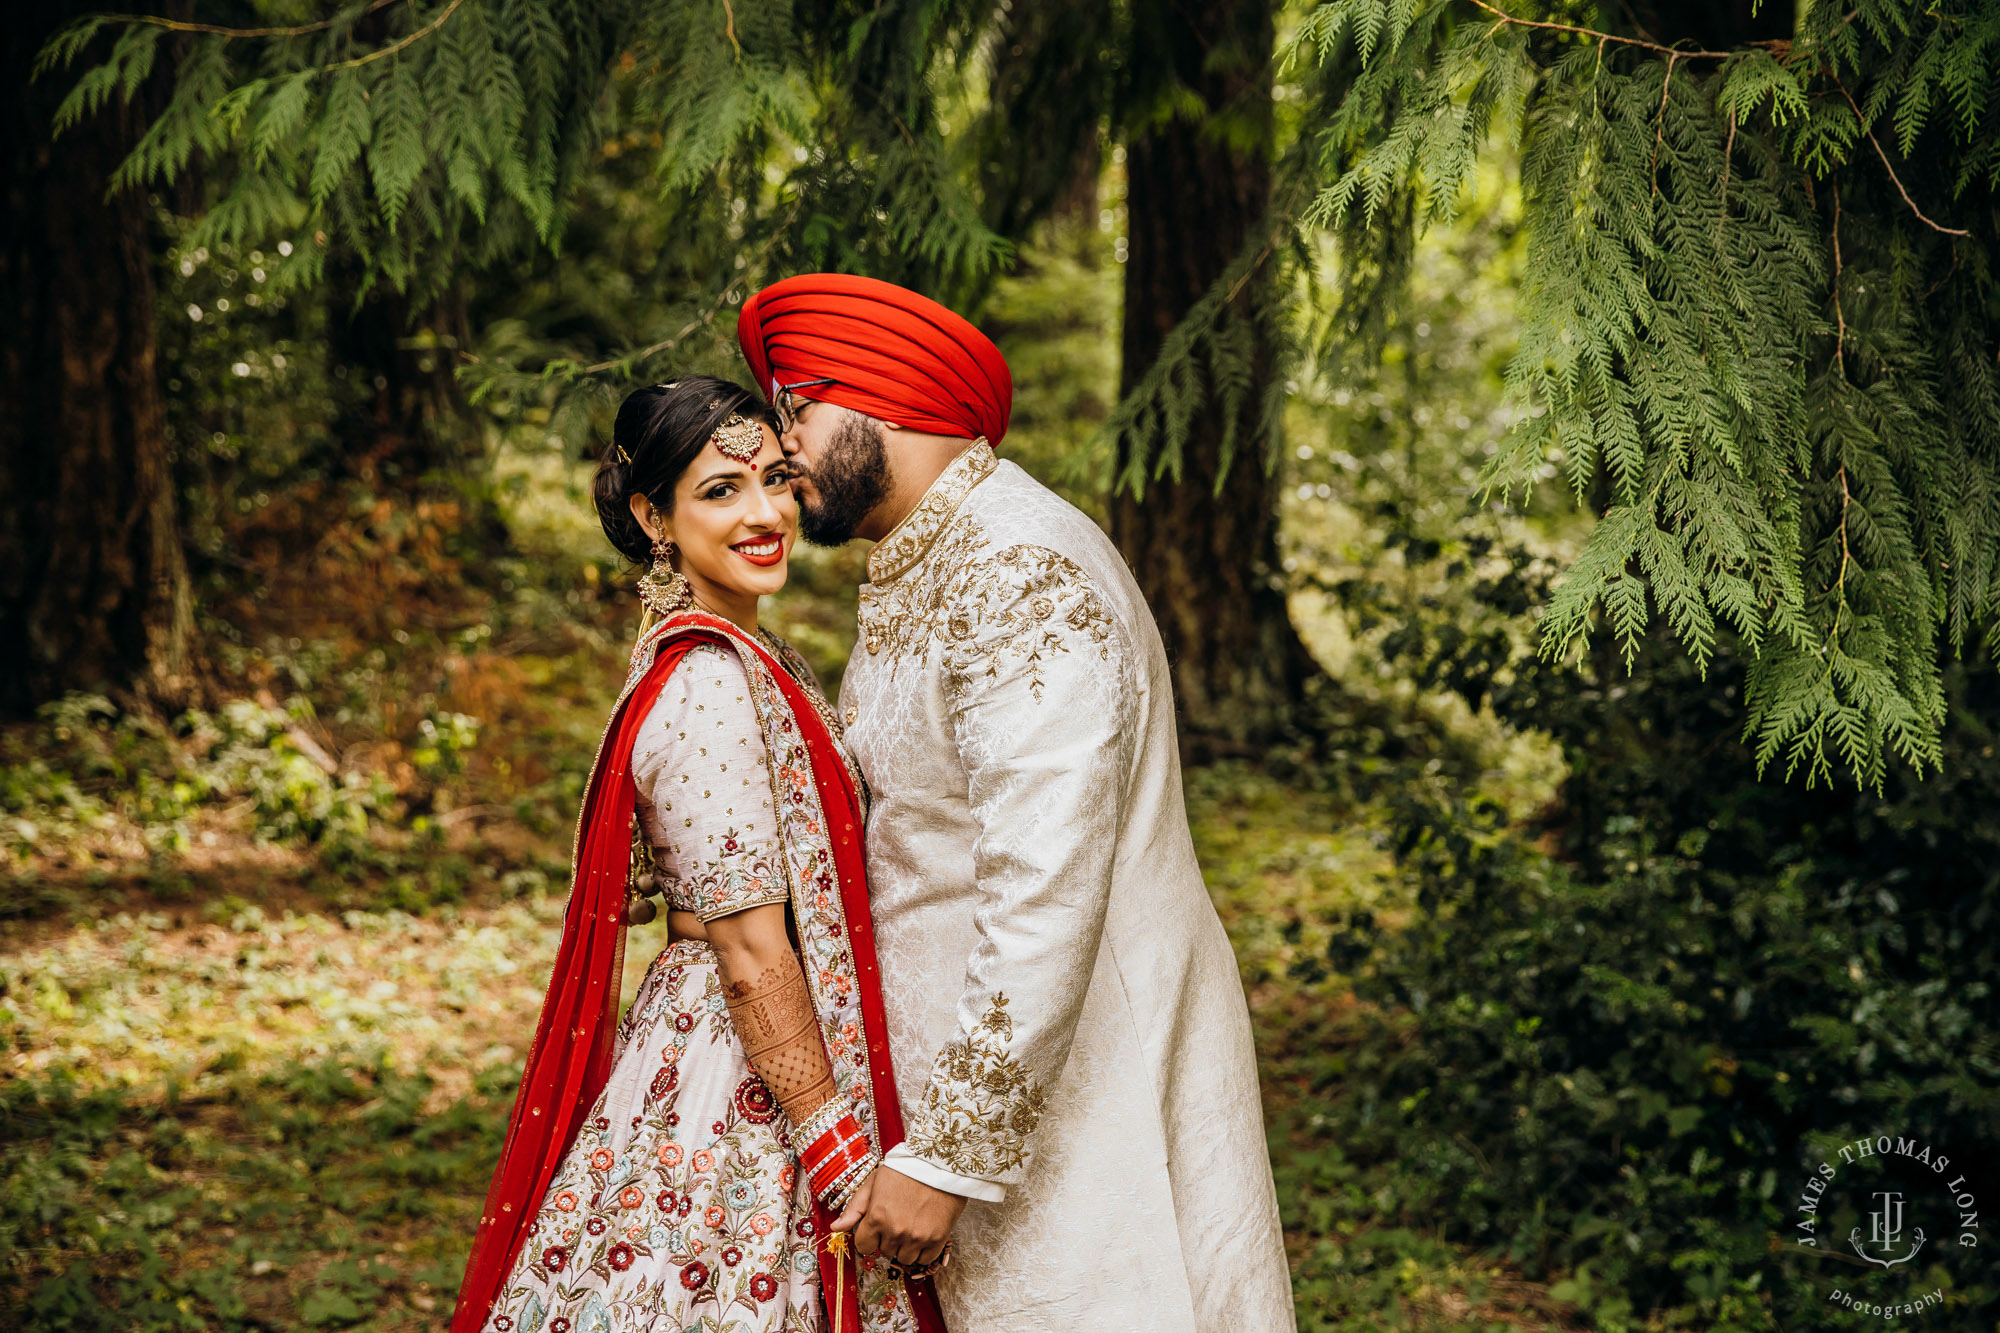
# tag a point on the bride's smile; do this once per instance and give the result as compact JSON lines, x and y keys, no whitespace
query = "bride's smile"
{"x":731,"y":520}
{"x":763,"y":551}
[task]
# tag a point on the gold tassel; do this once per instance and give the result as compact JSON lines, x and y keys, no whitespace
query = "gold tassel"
{"x":836,"y":1245}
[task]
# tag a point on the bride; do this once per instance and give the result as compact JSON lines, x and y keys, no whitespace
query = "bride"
{"x":691,"y":1166}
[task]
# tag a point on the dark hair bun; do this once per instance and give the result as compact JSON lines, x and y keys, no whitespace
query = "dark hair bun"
{"x":661,"y":430}
{"x":611,"y":489}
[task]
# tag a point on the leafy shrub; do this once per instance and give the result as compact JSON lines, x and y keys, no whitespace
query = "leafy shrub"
{"x":1621,"y":1062}
{"x":97,"y":770}
{"x":443,"y":741}
{"x":293,"y":795}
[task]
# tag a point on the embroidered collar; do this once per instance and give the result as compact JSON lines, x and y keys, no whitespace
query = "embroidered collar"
{"x":921,"y":527}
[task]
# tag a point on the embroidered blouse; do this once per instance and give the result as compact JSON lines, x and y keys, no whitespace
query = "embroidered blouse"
{"x":704,"y":780}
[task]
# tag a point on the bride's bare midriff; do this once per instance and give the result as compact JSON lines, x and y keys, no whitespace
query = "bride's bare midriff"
{"x":685,"y":926}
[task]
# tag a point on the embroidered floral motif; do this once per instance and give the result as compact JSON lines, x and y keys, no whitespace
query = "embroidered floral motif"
{"x":900,"y":617}
{"x":741,"y":877}
{"x":981,"y":1104}
{"x":1024,"y":604}
{"x":640,"y":1224}
{"x":908,"y":540}
{"x":803,"y":863}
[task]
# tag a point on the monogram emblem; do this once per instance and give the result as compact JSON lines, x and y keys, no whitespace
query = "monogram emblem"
{"x":1885,"y":1231}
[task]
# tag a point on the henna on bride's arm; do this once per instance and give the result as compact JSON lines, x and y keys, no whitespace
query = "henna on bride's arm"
{"x":764,"y":986}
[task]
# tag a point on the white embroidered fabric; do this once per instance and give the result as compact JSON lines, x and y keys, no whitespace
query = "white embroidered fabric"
{"x":1070,"y":1036}
{"x":704,"y":781}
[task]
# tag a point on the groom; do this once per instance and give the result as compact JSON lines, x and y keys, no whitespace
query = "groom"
{"x":1063,"y":1008}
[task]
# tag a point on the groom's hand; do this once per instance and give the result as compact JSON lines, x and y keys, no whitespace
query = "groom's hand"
{"x":905,"y":1219}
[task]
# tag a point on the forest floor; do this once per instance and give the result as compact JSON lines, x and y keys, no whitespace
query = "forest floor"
{"x":267,"y":974}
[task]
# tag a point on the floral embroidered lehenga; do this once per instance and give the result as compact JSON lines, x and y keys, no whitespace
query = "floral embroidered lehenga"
{"x":649,"y":1179}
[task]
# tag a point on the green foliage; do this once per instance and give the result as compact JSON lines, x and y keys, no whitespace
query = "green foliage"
{"x":1621,"y":1065}
{"x":118,"y":1212}
{"x":428,"y":138}
{"x":126,"y":775}
{"x":443,"y":740}
{"x":1747,"y":338}
{"x":1208,"y":359}
{"x":251,"y":390}
{"x":416,"y":136}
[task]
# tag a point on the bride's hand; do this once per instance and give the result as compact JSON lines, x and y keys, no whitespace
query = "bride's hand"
{"x":857,"y":1207}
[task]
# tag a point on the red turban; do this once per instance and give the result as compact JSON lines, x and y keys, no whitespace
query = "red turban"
{"x":892,"y":354}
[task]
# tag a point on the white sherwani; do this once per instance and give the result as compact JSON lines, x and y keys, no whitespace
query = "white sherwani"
{"x":1071,"y":1042}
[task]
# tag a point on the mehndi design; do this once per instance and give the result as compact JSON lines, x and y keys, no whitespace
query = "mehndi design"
{"x":780,"y":1034}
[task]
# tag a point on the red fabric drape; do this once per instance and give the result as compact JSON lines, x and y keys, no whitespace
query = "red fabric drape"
{"x":842,"y":806}
{"x":571,"y":1055}
{"x":894,"y":354}
{"x":570,"y":1060}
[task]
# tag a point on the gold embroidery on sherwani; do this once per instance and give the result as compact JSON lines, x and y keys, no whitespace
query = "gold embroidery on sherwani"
{"x":1024,"y":605}
{"x":981,"y":1103}
{"x":900,"y":617}
{"x":909,"y":539}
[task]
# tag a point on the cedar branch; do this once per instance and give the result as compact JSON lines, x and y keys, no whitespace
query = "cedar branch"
{"x":178,"y":25}
{"x":394,"y":47}
{"x":1602,"y":37}
{"x":1886,"y":166}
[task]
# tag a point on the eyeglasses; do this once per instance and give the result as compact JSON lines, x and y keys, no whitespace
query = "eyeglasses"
{"x":787,"y":403}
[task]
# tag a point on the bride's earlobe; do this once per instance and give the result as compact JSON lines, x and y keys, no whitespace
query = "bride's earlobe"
{"x":646,"y":516}
{"x":650,"y":520}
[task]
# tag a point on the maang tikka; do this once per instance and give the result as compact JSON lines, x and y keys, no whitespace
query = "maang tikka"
{"x":664,"y":589}
{"x":737,"y":439}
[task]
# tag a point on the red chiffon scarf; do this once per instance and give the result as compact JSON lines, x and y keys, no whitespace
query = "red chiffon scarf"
{"x":570,"y":1060}
{"x":571,"y":1055}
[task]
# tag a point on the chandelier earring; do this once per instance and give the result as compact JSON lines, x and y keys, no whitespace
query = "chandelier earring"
{"x":664,"y":589}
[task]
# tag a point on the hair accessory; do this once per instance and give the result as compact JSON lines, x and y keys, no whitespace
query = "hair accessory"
{"x":737,"y":439}
{"x":623,"y":456}
{"x":664,"y":589}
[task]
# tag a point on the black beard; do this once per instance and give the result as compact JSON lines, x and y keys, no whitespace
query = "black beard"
{"x":850,"y":480}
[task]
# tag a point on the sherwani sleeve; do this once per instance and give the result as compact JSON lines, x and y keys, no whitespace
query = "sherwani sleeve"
{"x":1040,"y":685}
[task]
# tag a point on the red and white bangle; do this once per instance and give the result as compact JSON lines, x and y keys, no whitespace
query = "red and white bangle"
{"x":835,"y":1153}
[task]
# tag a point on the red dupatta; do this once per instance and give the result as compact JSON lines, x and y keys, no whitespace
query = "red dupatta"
{"x":564,"y":1076}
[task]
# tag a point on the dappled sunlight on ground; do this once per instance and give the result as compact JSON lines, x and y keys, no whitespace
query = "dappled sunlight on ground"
{"x":140,"y":999}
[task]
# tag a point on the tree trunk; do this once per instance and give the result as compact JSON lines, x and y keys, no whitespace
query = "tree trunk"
{"x":1207,"y":556}
{"x":409,"y":421}
{"x":94,"y":589}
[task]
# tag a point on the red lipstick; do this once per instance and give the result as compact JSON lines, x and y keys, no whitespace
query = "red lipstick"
{"x":763,"y":551}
